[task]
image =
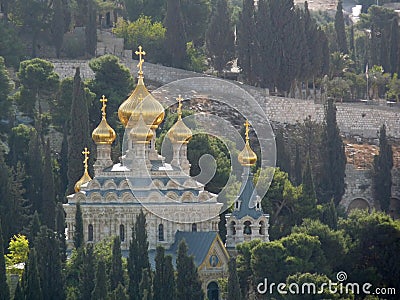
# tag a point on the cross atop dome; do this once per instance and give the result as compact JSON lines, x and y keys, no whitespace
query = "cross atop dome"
{"x":141,"y":60}
{"x":103,"y":101}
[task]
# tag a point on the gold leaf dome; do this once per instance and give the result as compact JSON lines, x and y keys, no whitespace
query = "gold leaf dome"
{"x":85,"y":177}
{"x":247,"y":157}
{"x":103,"y":134}
{"x":152,"y":111}
{"x":179,"y":132}
{"x":141,"y":133}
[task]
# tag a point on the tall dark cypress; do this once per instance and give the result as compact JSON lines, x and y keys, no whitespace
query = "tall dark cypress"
{"x":175,"y":36}
{"x":47,"y":209}
{"x":91,"y":30}
{"x":394,"y":48}
{"x":117,"y":273}
{"x":63,"y":162}
{"x":4,"y":289}
{"x":87,"y":273}
{"x":58,"y":26}
{"x":100,"y":288}
{"x":145,"y":286}
{"x":78,"y":233}
{"x":188,"y":284}
{"x":340,"y":29}
{"x":382,"y":174}
{"x":60,"y":232}
{"x":164,"y":279}
{"x":282,"y":158}
{"x":220,"y":37}
{"x":79,"y":132}
{"x":138,"y":258}
{"x":246,"y":43}
{"x":32,"y":288}
{"x":35,"y":170}
{"x":334,"y":158}
{"x":234,"y":292}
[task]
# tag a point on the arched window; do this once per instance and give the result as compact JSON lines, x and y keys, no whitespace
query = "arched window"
{"x":161,"y":232}
{"x":194,"y":227}
{"x":90,"y":233}
{"x":262,"y":228}
{"x":213,"y":291}
{"x":122,"y":233}
{"x":233,"y":228}
{"x":247,"y":228}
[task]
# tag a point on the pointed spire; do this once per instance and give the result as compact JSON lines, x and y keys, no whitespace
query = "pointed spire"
{"x":85,"y":177}
{"x":247,"y":157}
{"x":179,"y":132}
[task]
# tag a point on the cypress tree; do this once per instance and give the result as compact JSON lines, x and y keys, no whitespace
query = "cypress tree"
{"x":382,"y":174}
{"x":175,"y":36}
{"x":394,"y":47}
{"x":120,"y":293}
{"x":298,"y":170}
{"x":4,"y":289}
{"x":91,"y":30}
{"x":49,"y":264}
{"x":138,"y":258}
{"x":5,"y":205}
{"x":340,"y":29}
{"x":87,"y":273}
{"x":117,"y":274}
{"x":220,"y":37}
{"x":60,"y":232}
{"x":333,"y":157}
{"x":48,"y":206}
{"x":164,"y":281}
{"x":188,"y":284}
{"x":100,"y":288}
{"x":308,"y":204}
{"x":282,"y":158}
{"x":19,"y":293}
{"x":63,"y":162}
{"x":79,"y":133}
{"x":58,"y":26}
{"x":78,"y":234}
{"x":34,"y":168}
{"x":196,"y":15}
{"x":246,"y":44}
{"x":145,"y":286}
{"x":34,"y":229}
{"x":329,"y":215}
{"x":234,"y":292}
{"x":33,"y":290}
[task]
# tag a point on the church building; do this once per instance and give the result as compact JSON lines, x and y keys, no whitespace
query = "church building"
{"x":176,"y":206}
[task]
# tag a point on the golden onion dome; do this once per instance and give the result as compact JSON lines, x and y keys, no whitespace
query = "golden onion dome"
{"x":179,"y":132}
{"x":152,"y":110}
{"x":103,"y":134}
{"x":141,"y":133}
{"x":247,"y":157}
{"x":85,"y":177}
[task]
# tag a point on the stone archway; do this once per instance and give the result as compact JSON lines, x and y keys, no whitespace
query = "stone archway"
{"x":358,"y":203}
{"x":213,"y":291}
{"x":394,"y":208}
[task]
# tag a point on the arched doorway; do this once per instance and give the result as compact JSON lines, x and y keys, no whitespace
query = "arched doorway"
{"x":358,"y":203}
{"x":212,"y":291}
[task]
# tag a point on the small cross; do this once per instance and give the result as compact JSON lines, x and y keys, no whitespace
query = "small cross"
{"x":103,"y":100}
{"x":85,"y":161}
{"x":179,"y":99}
{"x":141,"y":60}
{"x":247,"y":125}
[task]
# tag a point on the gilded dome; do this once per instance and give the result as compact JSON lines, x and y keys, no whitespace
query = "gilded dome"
{"x":152,"y":110}
{"x":85,"y":177}
{"x":103,"y":134}
{"x":141,"y":133}
{"x":179,"y":132}
{"x":247,"y":157}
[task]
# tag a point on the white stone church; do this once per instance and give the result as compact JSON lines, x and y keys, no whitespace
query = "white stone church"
{"x":176,"y":206}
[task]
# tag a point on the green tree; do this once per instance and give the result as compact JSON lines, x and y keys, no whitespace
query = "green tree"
{"x":100,"y":288}
{"x":138,"y":258}
{"x":18,"y":253}
{"x":382,"y":172}
{"x":164,"y":279}
{"x":79,"y":132}
{"x":243,"y":260}
{"x":62,"y":103}
{"x":91,"y":30}
{"x":60,"y":231}
{"x":175,"y":36}
{"x":340,"y":29}
{"x":78,"y":233}
{"x":196,"y":14}
{"x":394,"y":88}
{"x":133,"y":8}
{"x":307,"y":206}
{"x":150,"y":35}
{"x":10,"y":44}
{"x":4,"y":289}
{"x":18,"y":138}
{"x":234,"y":292}
{"x":5,"y":88}
{"x":394,"y":51}
{"x":34,"y":169}
{"x":120,"y":293}
{"x":188,"y":284}
{"x":117,"y":273}
{"x":220,"y":37}
{"x":145,"y":286}
{"x":87,"y":273}
{"x":330,"y":215}
{"x":334,"y":159}
{"x":34,"y":229}
{"x":282,"y":158}
{"x":48,"y":203}
{"x":19,"y":293}
{"x":49,"y":264}
{"x":32,"y":288}
{"x":58,"y":26}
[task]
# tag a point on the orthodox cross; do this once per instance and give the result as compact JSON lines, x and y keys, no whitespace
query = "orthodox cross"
{"x":247,"y":125}
{"x":179,"y":106}
{"x":103,"y":100}
{"x":141,"y":60}
{"x":85,"y":161}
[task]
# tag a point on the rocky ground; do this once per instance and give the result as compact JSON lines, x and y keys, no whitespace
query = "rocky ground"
{"x":327,"y":4}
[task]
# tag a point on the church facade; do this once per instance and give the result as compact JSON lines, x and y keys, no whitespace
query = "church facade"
{"x":176,"y":206}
